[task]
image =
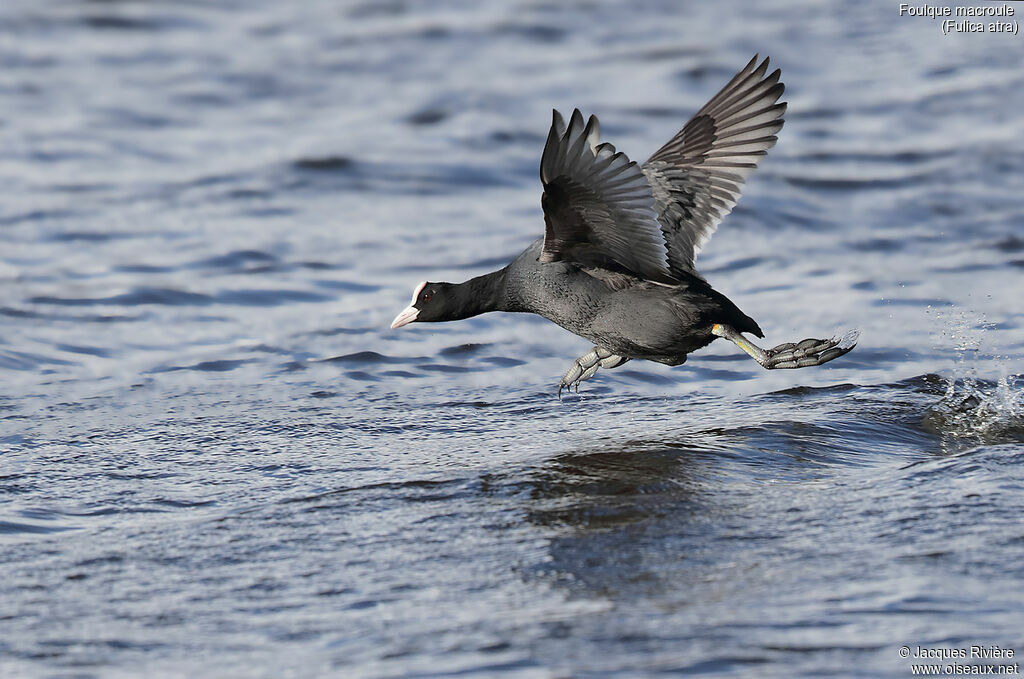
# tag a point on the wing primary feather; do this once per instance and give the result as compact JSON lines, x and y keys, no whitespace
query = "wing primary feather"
{"x":697,"y":176}
{"x":753,"y":98}
{"x":745,"y":90}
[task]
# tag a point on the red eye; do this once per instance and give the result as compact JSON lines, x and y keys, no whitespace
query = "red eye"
{"x":427,"y":296}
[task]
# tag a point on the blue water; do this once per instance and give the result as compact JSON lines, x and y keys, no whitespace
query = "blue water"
{"x":216,"y":460}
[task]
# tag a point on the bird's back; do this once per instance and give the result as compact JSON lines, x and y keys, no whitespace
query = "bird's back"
{"x":640,"y":319}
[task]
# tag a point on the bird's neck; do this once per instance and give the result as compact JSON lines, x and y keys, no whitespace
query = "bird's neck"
{"x":482,"y":294}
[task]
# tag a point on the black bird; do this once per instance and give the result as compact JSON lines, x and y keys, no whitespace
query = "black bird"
{"x":616,"y":263}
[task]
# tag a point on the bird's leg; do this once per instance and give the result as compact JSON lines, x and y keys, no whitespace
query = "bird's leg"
{"x":584,"y":367}
{"x":803,"y":354}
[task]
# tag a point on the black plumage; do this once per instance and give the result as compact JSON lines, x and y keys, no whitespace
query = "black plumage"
{"x":616,"y":263}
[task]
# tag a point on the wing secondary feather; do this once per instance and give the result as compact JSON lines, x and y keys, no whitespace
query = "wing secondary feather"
{"x":598,"y":206}
{"x":603,"y":210}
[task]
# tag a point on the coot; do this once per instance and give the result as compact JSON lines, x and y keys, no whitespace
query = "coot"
{"x":616,"y":262}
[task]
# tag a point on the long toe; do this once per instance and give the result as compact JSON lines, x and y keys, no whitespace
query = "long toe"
{"x":575,"y":375}
{"x":798,"y":355}
{"x":584,"y":367}
{"x":612,"y":361}
{"x":810,"y":352}
{"x":572,"y":374}
{"x":571,"y":377}
{"x":587,"y":374}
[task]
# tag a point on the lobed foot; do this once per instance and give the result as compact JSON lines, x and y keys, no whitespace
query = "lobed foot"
{"x":809,"y":352}
{"x":584,"y":367}
{"x":802,"y":354}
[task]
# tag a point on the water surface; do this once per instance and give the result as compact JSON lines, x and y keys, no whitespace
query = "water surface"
{"x":218,"y":461}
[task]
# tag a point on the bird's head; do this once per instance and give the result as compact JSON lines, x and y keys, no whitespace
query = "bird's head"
{"x":430,"y":302}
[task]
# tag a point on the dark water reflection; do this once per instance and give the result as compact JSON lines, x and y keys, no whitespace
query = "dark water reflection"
{"x":591,"y":492}
{"x":217,"y":460}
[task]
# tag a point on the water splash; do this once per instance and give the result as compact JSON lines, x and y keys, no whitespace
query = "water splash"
{"x":976,"y":410}
{"x":973,"y":408}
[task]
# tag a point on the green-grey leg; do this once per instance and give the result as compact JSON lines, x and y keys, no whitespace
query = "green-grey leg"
{"x":802,"y":354}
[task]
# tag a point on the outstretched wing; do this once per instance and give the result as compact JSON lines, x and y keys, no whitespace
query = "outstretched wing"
{"x":599,"y":210}
{"x":696,"y":178}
